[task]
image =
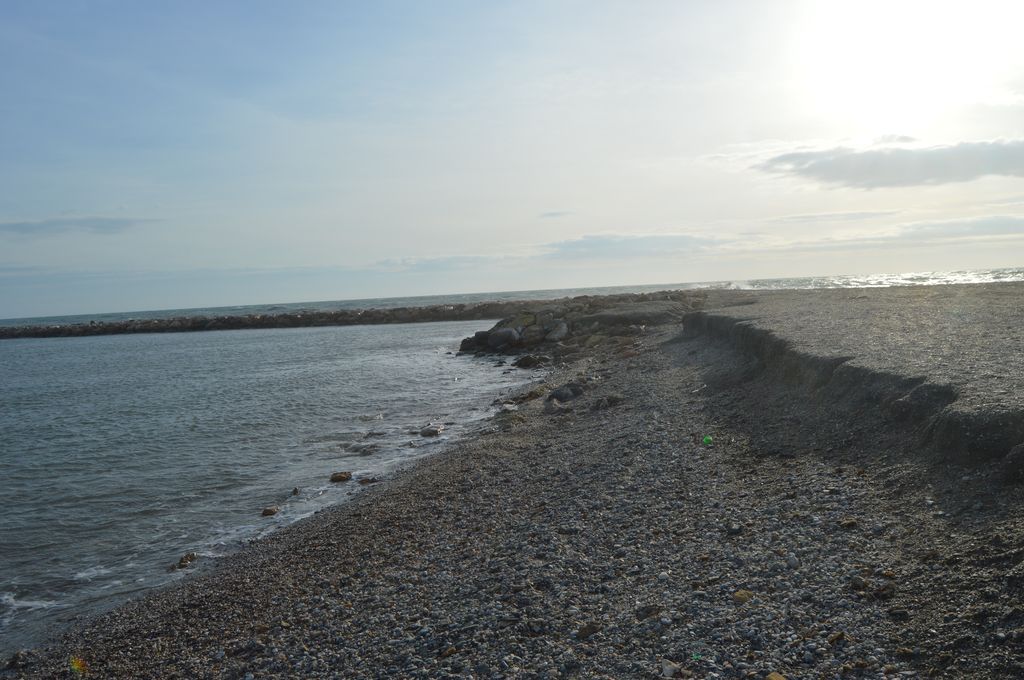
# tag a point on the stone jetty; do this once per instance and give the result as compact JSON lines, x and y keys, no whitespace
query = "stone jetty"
{"x":573,"y":310}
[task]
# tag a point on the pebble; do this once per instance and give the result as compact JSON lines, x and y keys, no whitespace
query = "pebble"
{"x":532,"y":553}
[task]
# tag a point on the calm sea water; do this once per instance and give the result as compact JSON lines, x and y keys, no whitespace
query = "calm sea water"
{"x":120,"y":453}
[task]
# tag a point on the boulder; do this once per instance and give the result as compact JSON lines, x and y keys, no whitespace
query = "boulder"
{"x":341,"y":476}
{"x":558,"y":333}
{"x":270,"y":510}
{"x":432,"y":430}
{"x":503,"y":337}
{"x":533,"y":335}
{"x":531,"y":361}
{"x":566,"y":392}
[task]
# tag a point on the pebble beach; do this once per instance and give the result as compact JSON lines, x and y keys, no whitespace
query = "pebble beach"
{"x":668,"y":500}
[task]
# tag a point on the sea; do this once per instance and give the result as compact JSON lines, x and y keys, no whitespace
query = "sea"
{"x":121,"y":453}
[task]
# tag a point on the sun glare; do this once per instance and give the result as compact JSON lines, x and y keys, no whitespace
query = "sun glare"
{"x":898,"y":66}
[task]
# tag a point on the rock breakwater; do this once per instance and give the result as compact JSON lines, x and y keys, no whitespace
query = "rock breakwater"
{"x":574,"y":315}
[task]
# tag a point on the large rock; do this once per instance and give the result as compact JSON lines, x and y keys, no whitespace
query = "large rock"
{"x":341,"y":476}
{"x":533,"y":335}
{"x":558,"y":333}
{"x":531,"y":361}
{"x":502,"y":338}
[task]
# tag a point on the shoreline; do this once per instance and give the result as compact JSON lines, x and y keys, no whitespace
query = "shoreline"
{"x":817,"y":534}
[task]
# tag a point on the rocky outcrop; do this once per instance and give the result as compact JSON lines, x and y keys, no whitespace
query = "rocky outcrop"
{"x":583,"y":321}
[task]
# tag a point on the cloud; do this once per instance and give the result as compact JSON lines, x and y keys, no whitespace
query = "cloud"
{"x":616,"y":246}
{"x":902,"y":167}
{"x":995,"y":225}
{"x":554,"y":214}
{"x":837,"y":216}
{"x":894,"y":139}
{"x":437,"y":264}
{"x":1010,"y":200}
{"x":60,"y":225}
{"x":945,"y":232}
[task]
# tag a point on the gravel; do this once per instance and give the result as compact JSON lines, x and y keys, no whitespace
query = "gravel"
{"x":604,"y":539}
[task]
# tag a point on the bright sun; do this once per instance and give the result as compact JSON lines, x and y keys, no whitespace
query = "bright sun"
{"x":896,"y":65}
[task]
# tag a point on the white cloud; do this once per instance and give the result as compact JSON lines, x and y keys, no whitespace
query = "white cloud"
{"x":621,"y":246}
{"x":902,"y":167}
{"x":850,"y":216}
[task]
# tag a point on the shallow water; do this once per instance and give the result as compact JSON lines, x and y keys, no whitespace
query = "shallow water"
{"x":121,"y":453}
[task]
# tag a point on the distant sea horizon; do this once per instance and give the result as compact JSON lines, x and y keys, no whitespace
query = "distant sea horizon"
{"x":802,"y":282}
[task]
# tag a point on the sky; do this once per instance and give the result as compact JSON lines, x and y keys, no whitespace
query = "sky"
{"x":191,"y":154}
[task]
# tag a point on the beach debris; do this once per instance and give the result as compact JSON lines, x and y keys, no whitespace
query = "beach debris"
{"x":670,"y":669}
{"x":848,"y":523}
{"x":708,"y":440}
{"x":742,"y":596}
{"x":271,"y":510}
{"x":432,"y":430}
{"x":78,"y":665}
{"x":775,"y":676}
{"x":837,"y":637}
{"x":341,"y":476}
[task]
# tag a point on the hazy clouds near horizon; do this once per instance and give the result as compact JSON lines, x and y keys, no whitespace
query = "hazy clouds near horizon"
{"x":197,"y":154}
